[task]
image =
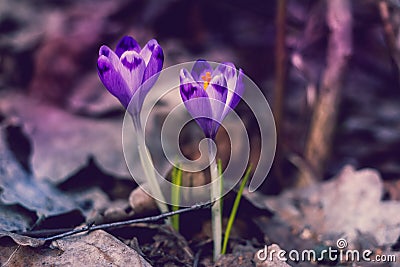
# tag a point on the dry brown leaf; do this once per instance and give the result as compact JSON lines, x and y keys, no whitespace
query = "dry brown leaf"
{"x":346,"y":205}
{"x":63,"y":143}
{"x":91,"y":99}
{"x":21,"y":240}
{"x":97,"y":248}
{"x":15,"y":217}
{"x":19,"y":187}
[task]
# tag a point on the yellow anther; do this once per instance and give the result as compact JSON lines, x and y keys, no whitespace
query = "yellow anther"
{"x":206,"y":78}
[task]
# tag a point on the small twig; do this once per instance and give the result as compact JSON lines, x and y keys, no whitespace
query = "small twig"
{"x":44,"y":232}
{"x":124,"y":223}
{"x":197,"y":258}
{"x":136,"y":247}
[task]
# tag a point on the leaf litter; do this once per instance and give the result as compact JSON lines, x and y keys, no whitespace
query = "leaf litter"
{"x":62,"y":142}
{"x":21,"y":188}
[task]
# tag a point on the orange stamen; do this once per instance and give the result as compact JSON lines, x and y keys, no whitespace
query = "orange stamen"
{"x":206,"y":78}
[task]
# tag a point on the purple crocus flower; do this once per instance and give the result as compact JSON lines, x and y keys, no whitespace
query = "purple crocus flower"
{"x":128,"y":68}
{"x":209,"y":94}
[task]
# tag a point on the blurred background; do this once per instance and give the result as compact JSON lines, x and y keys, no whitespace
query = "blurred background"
{"x":329,"y":69}
{"x":48,"y":50}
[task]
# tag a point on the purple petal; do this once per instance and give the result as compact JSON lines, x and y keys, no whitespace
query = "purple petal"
{"x":227,"y":69}
{"x":132,"y":70}
{"x":113,"y":80}
{"x":127,"y":43}
{"x":199,"y":70}
{"x":234,"y":97}
{"x":217,"y":90}
{"x":148,"y":49}
{"x":150,"y":75}
{"x":107,"y":52}
{"x":197,"y":102}
{"x":188,"y":85}
{"x":154,"y":60}
{"x":239,"y":90}
{"x":152,"y":71}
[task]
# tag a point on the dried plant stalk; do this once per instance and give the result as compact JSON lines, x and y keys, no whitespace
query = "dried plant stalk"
{"x":280,"y":81}
{"x":323,"y":122}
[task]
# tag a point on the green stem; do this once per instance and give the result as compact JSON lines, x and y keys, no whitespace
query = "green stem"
{"x":175,"y":195}
{"x":148,"y":167}
{"x":234,"y":210}
{"x":216,"y":221}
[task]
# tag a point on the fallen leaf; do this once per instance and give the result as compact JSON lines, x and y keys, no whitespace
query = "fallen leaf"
{"x":345,"y":206}
{"x":92,"y":202}
{"x":63,"y":143}
{"x":20,"y":240}
{"x":15,"y":217}
{"x":91,"y":99}
{"x":19,"y":187}
{"x":97,"y":248}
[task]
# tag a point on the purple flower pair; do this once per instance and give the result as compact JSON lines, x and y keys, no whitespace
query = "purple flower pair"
{"x":208,"y":94}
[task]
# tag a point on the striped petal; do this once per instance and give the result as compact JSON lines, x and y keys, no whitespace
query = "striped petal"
{"x":127,"y":43}
{"x":107,"y":52}
{"x":113,"y":80}
{"x":228,"y":70}
{"x":133,"y":69}
{"x":239,"y":90}
{"x":148,"y":49}
{"x":217,"y":91}
{"x":153,"y":56}
{"x":199,"y":70}
{"x":234,"y":97}
{"x":197,"y":102}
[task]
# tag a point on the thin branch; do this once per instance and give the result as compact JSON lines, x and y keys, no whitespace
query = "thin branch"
{"x":124,"y":223}
{"x":44,"y":232}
